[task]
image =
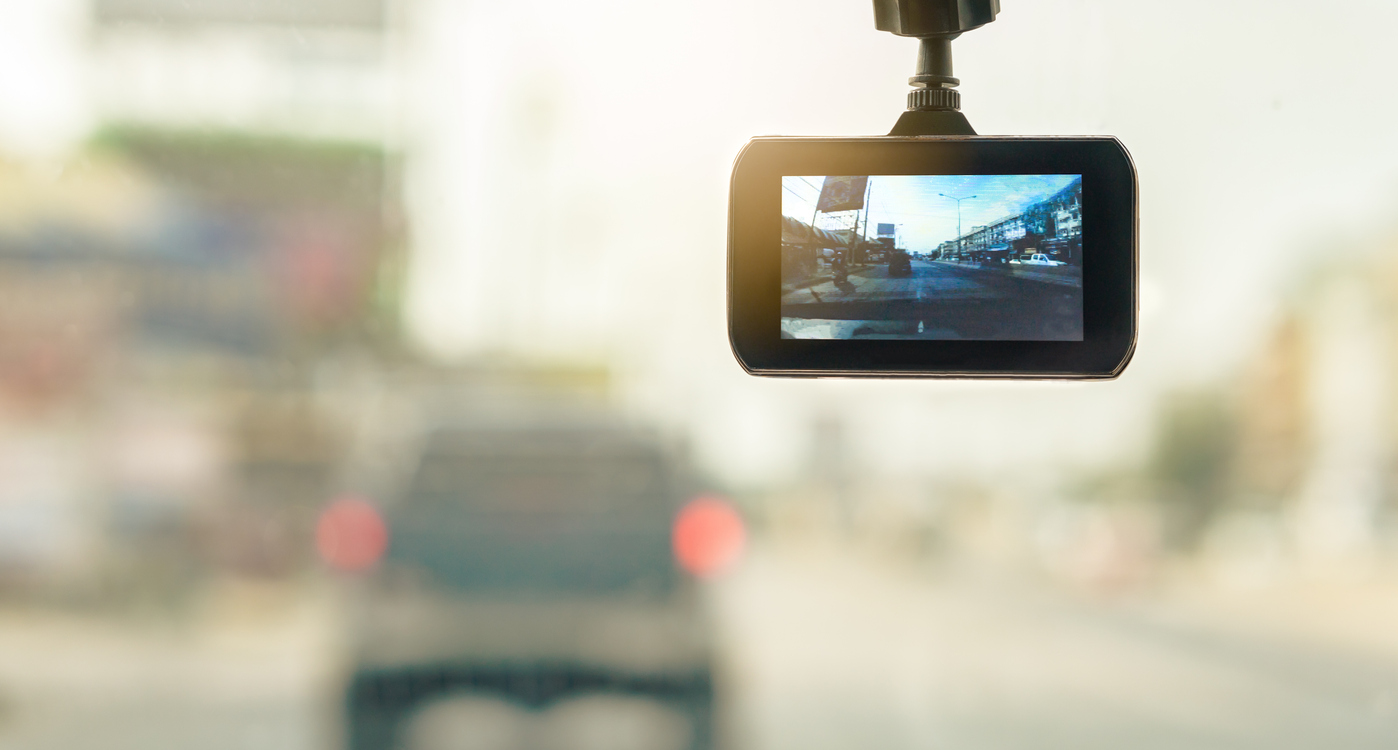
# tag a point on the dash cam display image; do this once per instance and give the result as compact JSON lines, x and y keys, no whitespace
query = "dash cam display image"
{"x":915,"y":257}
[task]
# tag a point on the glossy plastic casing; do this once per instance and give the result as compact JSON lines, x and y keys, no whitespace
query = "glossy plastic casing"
{"x":1110,"y":228}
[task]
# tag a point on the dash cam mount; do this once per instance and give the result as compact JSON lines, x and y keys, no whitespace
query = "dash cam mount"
{"x":855,"y":256}
{"x":934,"y":104}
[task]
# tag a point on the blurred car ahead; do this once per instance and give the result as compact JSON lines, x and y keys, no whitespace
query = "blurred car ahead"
{"x":532,"y":567}
{"x":899,"y":263}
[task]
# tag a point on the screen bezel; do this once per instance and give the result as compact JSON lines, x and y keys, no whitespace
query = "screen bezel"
{"x":1109,"y":250}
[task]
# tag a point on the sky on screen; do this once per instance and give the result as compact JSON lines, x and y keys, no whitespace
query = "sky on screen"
{"x":918,"y":205}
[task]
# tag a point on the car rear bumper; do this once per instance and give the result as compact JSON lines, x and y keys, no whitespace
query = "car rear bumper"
{"x":380,"y":701}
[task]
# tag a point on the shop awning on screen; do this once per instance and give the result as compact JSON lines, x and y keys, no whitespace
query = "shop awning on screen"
{"x":797,"y":232}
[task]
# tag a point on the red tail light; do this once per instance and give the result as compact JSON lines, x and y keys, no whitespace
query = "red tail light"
{"x":351,"y":535}
{"x":708,"y":537}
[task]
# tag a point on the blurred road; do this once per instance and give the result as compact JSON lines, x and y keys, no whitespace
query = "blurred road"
{"x":831,"y":653}
{"x":949,"y":300}
{"x":252,"y":672}
{"x":821,"y":649}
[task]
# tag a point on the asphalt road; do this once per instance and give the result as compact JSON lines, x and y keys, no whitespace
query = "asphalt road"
{"x":938,"y":301}
{"x":833,"y":653}
{"x":822,"y":650}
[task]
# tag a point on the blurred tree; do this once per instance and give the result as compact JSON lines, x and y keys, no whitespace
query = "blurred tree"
{"x":1191,"y":464}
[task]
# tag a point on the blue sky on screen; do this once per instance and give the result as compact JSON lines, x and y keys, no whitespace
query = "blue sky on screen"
{"x":925,"y":218}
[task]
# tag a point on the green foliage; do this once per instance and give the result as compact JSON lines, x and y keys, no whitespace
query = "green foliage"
{"x":250,"y":169}
{"x":1192,"y":461}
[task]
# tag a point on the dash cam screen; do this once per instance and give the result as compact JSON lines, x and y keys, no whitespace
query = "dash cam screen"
{"x":975,"y":257}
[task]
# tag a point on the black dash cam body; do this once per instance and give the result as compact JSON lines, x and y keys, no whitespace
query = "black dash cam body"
{"x":933,"y":252}
{"x":933,"y":257}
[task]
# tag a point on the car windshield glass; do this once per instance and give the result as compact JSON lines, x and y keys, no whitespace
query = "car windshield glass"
{"x":519,"y":511}
{"x":365,"y":381}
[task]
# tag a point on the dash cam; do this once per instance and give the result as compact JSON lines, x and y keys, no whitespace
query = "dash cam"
{"x":933,"y":252}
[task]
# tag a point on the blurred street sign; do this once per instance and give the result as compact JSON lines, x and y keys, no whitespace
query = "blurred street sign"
{"x":842,"y":194}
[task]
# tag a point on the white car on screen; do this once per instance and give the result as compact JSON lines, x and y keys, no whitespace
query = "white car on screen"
{"x":1039,"y":259}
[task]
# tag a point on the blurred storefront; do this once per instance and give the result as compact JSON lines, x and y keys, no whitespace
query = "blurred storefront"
{"x":177,"y":290}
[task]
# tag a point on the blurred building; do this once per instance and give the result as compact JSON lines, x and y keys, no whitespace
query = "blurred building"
{"x":1347,"y":483}
{"x":1052,"y":226}
{"x":311,"y":68}
{"x":231,"y":224}
{"x":1294,"y":456}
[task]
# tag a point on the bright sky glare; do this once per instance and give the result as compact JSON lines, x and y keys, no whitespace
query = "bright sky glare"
{"x":918,"y":205}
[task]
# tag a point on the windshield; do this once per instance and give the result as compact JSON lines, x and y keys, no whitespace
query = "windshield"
{"x":364,"y":382}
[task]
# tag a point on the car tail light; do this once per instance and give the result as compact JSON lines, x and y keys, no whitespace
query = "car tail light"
{"x":351,"y":535}
{"x":708,"y":536}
